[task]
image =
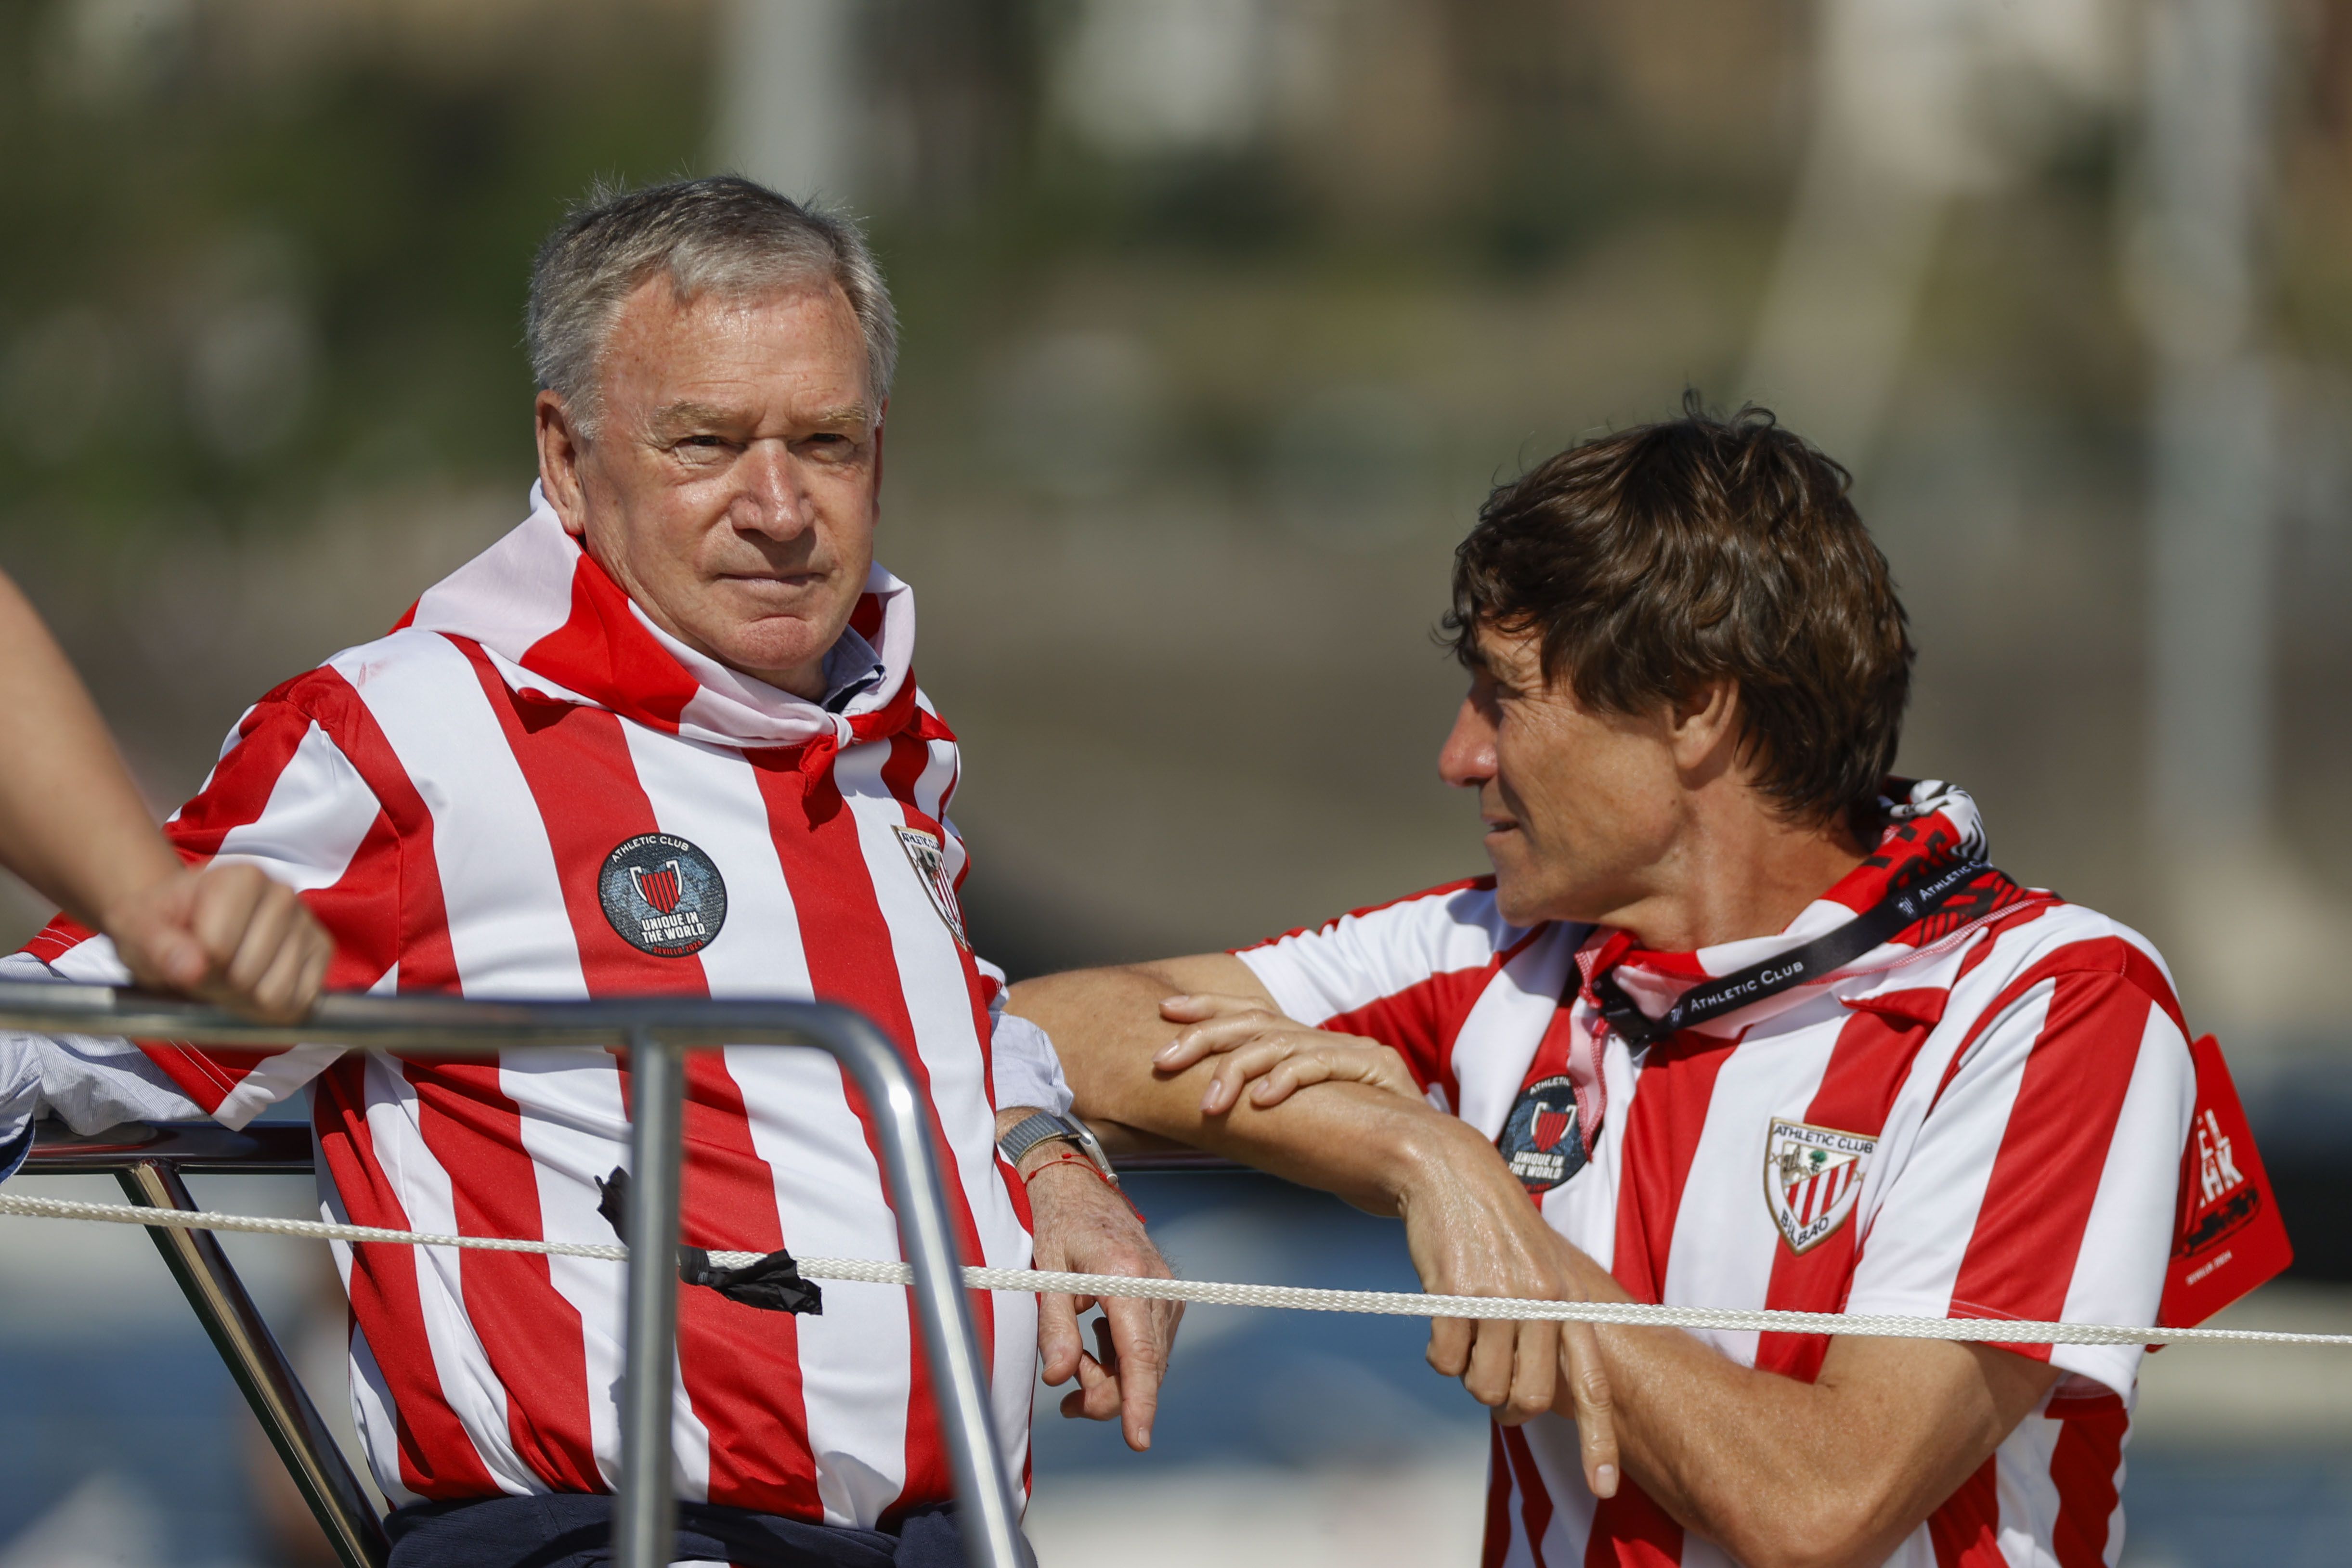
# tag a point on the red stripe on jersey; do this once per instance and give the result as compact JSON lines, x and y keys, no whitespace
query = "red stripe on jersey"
{"x":604,"y":650}
{"x":2037,"y":1202}
{"x":239,"y":790}
{"x":531,"y":1334}
{"x":866,"y":619}
{"x":2095,"y":955}
{"x":428,"y":962}
{"x":851,"y":961}
{"x":1866,"y":1069}
{"x":740,"y":1366}
{"x":1631,"y":1531}
{"x":1661,"y":1134}
{"x":362,"y":911}
{"x":437,"y":1459}
{"x":1535,"y":1498}
{"x":1966,"y":1530}
{"x":2085,"y":1465}
{"x":1986,"y":938}
{"x":1500,"y":1489}
{"x":1422,"y":1021}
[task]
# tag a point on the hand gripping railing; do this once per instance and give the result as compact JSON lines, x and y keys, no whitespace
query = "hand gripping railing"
{"x":656,"y":1033}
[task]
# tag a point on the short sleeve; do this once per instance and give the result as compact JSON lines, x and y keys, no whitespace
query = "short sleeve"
{"x":285,"y":798}
{"x":2040,"y":1183}
{"x":1406,"y":974}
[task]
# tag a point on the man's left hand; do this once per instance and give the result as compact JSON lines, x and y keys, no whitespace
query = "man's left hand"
{"x":1084,"y":1226}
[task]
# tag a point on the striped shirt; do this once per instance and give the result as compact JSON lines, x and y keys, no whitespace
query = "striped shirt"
{"x":1983,"y":1117}
{"x":529,"y":791}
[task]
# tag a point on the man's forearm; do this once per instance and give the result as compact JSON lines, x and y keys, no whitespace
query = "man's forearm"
{"x":1362,"y":1144}
{"x":1780,"y":1471}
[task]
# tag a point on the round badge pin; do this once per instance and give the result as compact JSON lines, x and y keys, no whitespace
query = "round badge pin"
{"x":1539,"y":1139}
{"x":663,"y":895}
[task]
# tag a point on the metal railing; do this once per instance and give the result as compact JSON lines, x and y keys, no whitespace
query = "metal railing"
{"x":656,"y":1032}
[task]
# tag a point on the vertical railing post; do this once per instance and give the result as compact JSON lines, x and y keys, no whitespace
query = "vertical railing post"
{"x":990,"y":1519}
{"x":645,"y":1520}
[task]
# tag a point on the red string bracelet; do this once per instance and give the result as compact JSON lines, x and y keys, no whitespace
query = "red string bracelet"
{"x":1094,"y":1170}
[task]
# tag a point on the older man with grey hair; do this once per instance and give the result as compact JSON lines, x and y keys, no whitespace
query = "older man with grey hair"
{"x":662,"y":738}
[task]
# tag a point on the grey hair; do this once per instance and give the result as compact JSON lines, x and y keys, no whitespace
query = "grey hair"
{"x":725,"y":235}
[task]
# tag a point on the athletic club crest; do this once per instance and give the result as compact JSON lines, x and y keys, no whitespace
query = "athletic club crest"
{"x":1812,"y":1177}
{"x":928,"y":856}
{"x":663,"y":895}
{"x":1540,"y":1141}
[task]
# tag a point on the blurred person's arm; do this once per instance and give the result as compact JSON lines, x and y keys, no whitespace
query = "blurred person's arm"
{"x":1467,"y":1220}
{"x":73,"y":826}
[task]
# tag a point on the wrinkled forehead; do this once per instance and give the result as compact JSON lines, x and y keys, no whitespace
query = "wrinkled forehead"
{"x":794,"y":343}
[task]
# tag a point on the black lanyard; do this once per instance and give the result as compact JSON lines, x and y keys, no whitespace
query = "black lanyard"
{"x":1904,"y":906}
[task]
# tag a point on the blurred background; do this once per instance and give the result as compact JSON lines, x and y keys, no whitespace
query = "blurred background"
{"x":1221,"y":316}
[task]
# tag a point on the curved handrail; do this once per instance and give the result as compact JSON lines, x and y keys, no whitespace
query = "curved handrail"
{"x":654,"y":1029}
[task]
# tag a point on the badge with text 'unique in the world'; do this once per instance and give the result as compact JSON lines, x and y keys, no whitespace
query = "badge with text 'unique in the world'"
{"x":663,"y":895}
{"x":1539,"y":1139}
{"x":1811,"y":1179}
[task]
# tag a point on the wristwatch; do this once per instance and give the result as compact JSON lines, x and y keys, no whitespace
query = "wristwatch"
{"x":1042,"y":1126}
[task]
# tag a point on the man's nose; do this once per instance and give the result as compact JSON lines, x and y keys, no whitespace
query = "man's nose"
{"x":1467,"y":758}
{"x":770,"y":498}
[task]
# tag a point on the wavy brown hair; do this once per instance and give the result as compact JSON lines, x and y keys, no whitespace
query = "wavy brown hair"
{"x":1661,"y":558}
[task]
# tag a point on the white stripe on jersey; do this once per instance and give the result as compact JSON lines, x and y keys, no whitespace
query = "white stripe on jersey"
{"x":2157,"y":1111}
{"x":1711,"y":1261}
{"x":1499,"y":1037}
{"x":319,"y":811}
{"x":1344,"y":964}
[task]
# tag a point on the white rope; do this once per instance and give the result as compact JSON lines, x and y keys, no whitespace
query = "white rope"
{"x":1398,"y":1303}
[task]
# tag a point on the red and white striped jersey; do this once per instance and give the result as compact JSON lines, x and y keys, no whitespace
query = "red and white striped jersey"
{"x":529,"y":791}
{"x":1982,"y":1117}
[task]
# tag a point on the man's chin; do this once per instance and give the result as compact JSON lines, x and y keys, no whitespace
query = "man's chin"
{"x":779,"y":650}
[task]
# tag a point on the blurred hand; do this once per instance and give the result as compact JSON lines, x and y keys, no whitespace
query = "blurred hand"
{"x":1472,"y":1232}
{"x":1272,"y":1055}
{"x":229,"y":935}
{"x":1084,"y":1227}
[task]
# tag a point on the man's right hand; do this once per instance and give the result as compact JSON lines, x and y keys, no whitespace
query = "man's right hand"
{"x":1269,"y":1055}
{"x":231,"y":935}
{"x":1364,"y":1133}
{"x":1472,"y":1231}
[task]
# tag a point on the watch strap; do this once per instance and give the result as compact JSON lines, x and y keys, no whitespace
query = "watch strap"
{"x":1042,"y":1126}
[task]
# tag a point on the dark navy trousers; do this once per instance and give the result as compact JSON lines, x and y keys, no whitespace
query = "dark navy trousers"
{"x":574,"y":1529}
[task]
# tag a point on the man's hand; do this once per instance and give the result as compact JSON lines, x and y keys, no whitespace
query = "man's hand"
{"x":1473,"y":1232}
{"x":1272,"y":1055}
{"x":1084,"y":1227}
{"x":230,"y":934}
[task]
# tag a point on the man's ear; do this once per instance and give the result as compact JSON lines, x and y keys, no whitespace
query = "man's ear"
{"x":560,"y":449}
{"x":1703,"y":725}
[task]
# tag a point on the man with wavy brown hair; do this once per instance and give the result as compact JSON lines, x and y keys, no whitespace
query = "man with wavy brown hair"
{"x":1739,"y":1021}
